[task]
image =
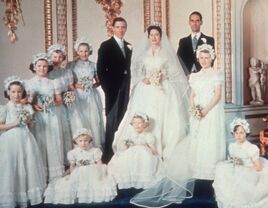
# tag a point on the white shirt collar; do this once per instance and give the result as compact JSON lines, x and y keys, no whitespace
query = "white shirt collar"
{"x":118,"y":40}
{"x":197,"y":34}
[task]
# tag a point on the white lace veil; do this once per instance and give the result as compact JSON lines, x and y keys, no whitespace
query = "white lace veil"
{"x":176,"y":183}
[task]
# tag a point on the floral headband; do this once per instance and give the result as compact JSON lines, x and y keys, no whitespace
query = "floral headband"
{"x":39,"y":56}
{"x":143,"y":116}
{"x":56,"y":47}
{"x":206,"y":47}
{"x":79,"y":41}
{"x":80,"y":132}
{"x":240,"y":122}
{"x":12,"y":79}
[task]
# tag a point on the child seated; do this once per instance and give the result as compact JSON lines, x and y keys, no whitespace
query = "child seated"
{"x":135,"y":162}
{"x":242,"y":180}
{"x":87,"y":181}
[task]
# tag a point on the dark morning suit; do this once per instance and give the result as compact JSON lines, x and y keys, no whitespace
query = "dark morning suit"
{"x":113,"y":70}
{"x":187,"y":55}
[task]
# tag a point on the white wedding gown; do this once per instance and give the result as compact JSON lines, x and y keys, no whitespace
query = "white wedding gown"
{"x":168,"y":118}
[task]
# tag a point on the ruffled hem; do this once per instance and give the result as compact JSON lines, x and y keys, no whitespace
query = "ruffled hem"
{"x":134,"y":181}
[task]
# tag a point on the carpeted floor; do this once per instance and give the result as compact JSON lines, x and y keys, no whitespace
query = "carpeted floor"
{"x":203,"y":198}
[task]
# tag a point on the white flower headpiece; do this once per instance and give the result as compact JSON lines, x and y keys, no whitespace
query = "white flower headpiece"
{"x":82,"y":131}
{"x":240,"y":122}
{"x":80,"y":41}
{"x":56,"y":47}
{"x":142,"y":115}
{"x":11,"y":79}
{"x":206,"y":47}
{"x":39,"y":56}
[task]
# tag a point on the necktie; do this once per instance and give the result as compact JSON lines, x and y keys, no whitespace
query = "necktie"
{"x":122,"y":47}
{"x":194,"y":42}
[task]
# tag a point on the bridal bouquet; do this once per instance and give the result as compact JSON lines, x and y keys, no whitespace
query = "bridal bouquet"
{"x":23,"y":116}
{"x":69,"y":98}
{"x":46,"y":101}
{"x":156,"y":78}
{"x":196,"y":112}
{"x":86,"y":82}
{"x":235,"y":160}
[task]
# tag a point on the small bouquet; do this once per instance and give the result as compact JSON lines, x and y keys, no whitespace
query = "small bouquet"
{"x":86,"y":82}
{"x":83,"y":162}
{"x":23,"y":116}
{"x":129,"y":142}
{"x":196,"y":112}
{"x":69,"y":98}
{"x":235,"y":160}
{"x":46,"y":101}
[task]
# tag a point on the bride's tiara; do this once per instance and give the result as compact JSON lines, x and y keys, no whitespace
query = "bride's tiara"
{"x":206,"y":47}
{"x":156,"y":24}
{"x":240,"y":122}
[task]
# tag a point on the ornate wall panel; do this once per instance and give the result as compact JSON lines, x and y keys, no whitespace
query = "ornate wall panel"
{"x":48,"y":23}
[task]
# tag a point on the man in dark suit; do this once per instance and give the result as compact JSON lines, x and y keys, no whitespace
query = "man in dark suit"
{"x":113,"y":68}
{"x":188,"y":45}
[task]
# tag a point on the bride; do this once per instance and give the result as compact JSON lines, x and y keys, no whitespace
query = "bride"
{"x":160,"y":91}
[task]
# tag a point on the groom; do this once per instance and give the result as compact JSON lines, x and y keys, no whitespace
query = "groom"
{"x":113,"y":68}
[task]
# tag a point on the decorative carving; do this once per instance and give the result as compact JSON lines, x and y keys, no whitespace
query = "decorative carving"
{"x":112,"y":10}
{"x":158,"y":11}
{"x":62,"y":35}
{"x":48,"y":23}
{"x":11,"y":18}
{"x":74,"y":23}
{"x":167,"y":17}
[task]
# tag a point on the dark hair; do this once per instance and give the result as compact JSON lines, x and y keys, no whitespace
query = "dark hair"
{"x":154,"y":27}
{"x":119,"y":19}
{"x":196,"y":13}
{"x":31,"y":66}
{"x":236,"y":127}
{"x":59,"y":51}
{"x":24,"y":94}
{"x":88,"y":46}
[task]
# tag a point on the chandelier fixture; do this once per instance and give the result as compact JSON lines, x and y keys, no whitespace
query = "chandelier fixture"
{"x":112,"y":10}
{"x":11,"y":18}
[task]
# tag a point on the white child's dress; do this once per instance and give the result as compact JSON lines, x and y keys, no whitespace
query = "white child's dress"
{"x":241,"y":186}
{"x":47,"y":126}
{"x":207,"y":144}
{"x":88,"y":183}
{"x":135,"y":166}
{"x":22,"y":177}
{"x":88,"y":101}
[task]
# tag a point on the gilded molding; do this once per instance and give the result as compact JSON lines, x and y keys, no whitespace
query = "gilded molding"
{"x":146,"y":13}
{"x":48,"y":23}
{"x":158,"y":11}
{"x":74,"y":23}
{"x":167,"y":18}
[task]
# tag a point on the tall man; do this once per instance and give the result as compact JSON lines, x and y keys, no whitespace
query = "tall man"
{"x":113,"y":68}
{"x":188,"y":45}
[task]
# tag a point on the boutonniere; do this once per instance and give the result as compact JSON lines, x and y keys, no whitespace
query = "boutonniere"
{"x":129,"y":46}
{"x":204,"y":40}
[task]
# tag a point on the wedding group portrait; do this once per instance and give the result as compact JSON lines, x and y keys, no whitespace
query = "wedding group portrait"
{"x":125,"y":104}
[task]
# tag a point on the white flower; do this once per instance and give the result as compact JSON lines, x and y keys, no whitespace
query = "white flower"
{"x":129,"y":46}
{"x":204,"y":40}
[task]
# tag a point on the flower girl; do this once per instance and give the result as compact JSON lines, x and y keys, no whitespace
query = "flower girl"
{"x":45,"y":96}
{"x":88,"y":180}
{"x":135,"y":162}
{"x":22,"y":176}
{"x":88,"y":100}
{"x":242,"y":180}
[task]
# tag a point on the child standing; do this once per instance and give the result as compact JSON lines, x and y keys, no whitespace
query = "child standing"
{"x":87,"y":181}
{"x":22,"y":176}
{"x":87,"y":97}
{"x":64,"y":77}
{"x":242,"y":181}
{"x":47,"y":127}
{"x":135,"y":162}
